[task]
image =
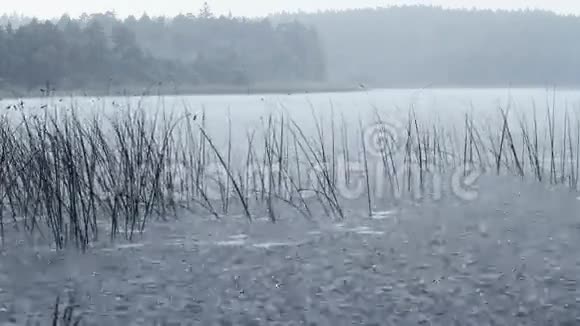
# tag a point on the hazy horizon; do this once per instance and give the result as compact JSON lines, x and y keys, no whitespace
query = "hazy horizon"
{"x":256,"y":8}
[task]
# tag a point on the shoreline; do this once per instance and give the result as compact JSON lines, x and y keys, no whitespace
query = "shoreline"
{"x":257,"y":89}
{"x":170,"y":90}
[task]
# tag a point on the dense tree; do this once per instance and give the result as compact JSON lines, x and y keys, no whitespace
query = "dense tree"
{"x":14,"y":19}
{"x":205,"y":11}
{"x":417,"y":46}
{"x":397,"y":46}
{"x":232,"y":49}
{"x":99,"y":49}
{"x":35,"y":54}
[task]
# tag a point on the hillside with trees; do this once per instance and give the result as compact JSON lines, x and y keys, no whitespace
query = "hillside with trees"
{"x":418,"y":46}
{"x":101,"y":51}
{"x":414,"y":46}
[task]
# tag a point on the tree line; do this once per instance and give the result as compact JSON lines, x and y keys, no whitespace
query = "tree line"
{"x":102,"y":50}
{"x":419,"y":46}
{"x":413,"y":46}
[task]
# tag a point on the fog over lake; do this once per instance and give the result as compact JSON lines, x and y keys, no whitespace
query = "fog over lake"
{"x":446,"y":105}
{"x":441,"y":101}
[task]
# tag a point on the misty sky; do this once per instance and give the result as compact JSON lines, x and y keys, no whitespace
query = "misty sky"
{"x":55,"y":8}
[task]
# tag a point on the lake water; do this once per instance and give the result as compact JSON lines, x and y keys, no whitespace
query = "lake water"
{"x":515,"y":243}
{"x":438,"y":106}
{"x":254,"y":105}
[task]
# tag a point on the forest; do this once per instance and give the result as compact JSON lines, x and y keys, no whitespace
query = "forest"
{"x":411,"y":46}
{"x":419,"y":46}
{"x":101,"y":50}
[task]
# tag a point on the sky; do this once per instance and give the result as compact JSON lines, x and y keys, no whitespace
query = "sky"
{"x":253,"y":8}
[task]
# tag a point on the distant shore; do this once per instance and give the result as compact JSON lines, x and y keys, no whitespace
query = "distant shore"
{"x":170,"y":90}
{"x":265,"y":88}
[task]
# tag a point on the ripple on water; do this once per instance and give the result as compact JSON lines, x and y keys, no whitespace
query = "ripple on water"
{"x":268,"y":245}
{"x":383,"y":215}
{"x":239,"y":237}
{"x":370,"y":232}
{"x":124,"y":246}
{"x":231,"y":243}
{"x":363,"y":230}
